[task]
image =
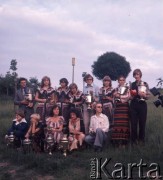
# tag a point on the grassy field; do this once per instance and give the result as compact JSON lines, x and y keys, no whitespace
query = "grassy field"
{"x":16,"y":165}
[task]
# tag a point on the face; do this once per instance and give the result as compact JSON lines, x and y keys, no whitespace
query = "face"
{"x":18,"y":117}
{"x":34,"y":119}
{"x":106,"y":83}
{"x":56,"y":111}
{"x":89,"y":80}
{"x":46,"y":82}
{"x":121,"y":81}
{"x":73,"y":116}
{"x":99,"y":108}
{"x":23,"y":83}
{"x":63,"y":84}
{"x":73,"y":90}
{"x":137,"y":77}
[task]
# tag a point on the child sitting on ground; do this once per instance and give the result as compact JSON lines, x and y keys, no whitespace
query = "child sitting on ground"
{"x":36,"y":133}
{"x":18,"y":129}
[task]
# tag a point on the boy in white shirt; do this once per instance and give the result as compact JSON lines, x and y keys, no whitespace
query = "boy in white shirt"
{"x":99,"y":126}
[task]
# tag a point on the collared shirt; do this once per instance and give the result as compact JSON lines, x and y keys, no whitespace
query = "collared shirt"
{"x":100,"y":121}
{"x":93,"y":88}
{"x":18,"y":122}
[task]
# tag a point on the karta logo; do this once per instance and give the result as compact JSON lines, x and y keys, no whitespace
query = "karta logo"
{"x":141,"y":170}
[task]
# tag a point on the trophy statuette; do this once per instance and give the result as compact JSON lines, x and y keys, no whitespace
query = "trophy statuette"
{"x":142,"y":89}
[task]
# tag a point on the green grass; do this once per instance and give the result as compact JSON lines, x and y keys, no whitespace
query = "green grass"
{"x":77,"y":165}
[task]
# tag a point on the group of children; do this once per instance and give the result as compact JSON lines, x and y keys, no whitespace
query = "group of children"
{"x":69,"y":106}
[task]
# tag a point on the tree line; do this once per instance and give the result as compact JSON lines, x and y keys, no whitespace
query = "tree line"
{"x":9,"y":81}
{"x":109,"y":63}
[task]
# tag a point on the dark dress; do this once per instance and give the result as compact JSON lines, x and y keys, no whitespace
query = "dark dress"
{"x":107,"y":104}
{"x":43,"y":109}
{"x":77,"y":98}
{"x":38,"y":138}
{"x":62,"y":101}
{"x":121,"y":126}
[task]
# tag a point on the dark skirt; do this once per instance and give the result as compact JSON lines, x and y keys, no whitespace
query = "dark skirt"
{"x":121,"y":128}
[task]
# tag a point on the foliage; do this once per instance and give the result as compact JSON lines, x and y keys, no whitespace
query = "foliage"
{"x":13,"y":67}
{"x":34,"y":83}
{"x":13,"y":64}
{"x":9,"y":82}
{"x":160,"y":82}
{"x":111,"y":64}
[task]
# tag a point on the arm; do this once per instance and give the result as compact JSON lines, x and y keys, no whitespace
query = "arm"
{"x":59,"y":129}
{"x":16,"y":99}
{"x":75,"y":130}
{"x":34,"y":129}
{"x":126,"y":96}
{"x":146,"y":94}
{"x":71,"y":129}
{"x":106,"y":124}
{"x":81,"y":99}
{"x":28,"y":132}
{"x":92,"y":126}
{"x":60,"y":125}
{"x":19,"y":100}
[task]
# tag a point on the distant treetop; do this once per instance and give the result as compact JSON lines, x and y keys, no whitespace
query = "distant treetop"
{"x":111,"y":64}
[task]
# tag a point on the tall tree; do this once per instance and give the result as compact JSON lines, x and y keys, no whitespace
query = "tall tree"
{"x":34,"y":83}
{"x":13,"y":64}
{"x":111,"y":64}
{"x":9,"y":82}
{"x":13,"y":67}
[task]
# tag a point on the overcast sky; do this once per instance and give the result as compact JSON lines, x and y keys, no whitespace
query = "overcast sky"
{"x":44,"y":35}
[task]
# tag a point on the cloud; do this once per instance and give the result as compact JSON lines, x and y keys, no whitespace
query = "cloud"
{"x":44,"y":35}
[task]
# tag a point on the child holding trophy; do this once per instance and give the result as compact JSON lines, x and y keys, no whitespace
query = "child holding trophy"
{"x":120,"y":134}
{"x":138,"y":107}
{"x":91,"y":94}
{"x":106,"y":98}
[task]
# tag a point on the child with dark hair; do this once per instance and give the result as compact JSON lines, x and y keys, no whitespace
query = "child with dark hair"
{"x":63,"y":99}
{"x":75,"y":130}
{"x":18,"y":129}
{"x":55,"y":124}
{"x":45,"y":96}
